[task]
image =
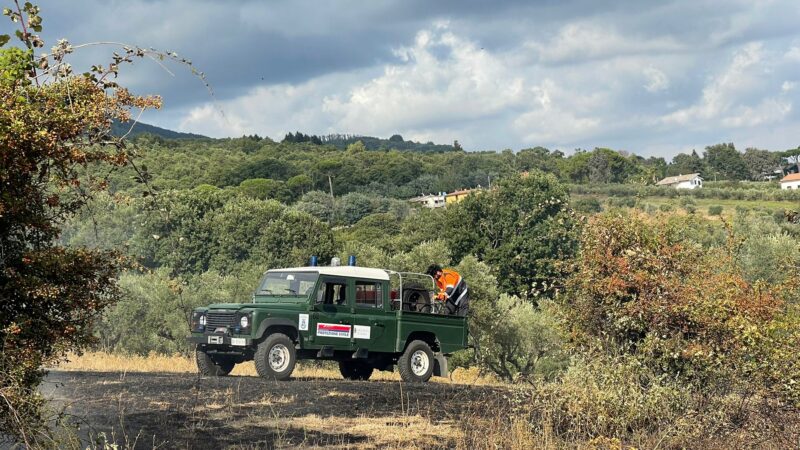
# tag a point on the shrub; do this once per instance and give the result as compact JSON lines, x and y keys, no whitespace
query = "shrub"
{"x":640,"y":288}
{"x":715,"y":210}
{"x":588,"y":205}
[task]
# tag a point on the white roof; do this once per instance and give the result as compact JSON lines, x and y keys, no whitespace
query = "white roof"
{"x":341,"y":271}
{"x":678,"y":179}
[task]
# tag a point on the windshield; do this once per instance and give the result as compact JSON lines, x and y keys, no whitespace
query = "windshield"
{"x":288,"y":283}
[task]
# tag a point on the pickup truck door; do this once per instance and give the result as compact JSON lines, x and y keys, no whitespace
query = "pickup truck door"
{"x":331,"y":317}
{"x":374,"y":323}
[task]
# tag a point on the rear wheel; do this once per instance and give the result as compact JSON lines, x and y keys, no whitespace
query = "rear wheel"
{"x":210,"y":367}
{"x":355,"y":370}
{"x":275,"y":357}
{"x":416,"y":363}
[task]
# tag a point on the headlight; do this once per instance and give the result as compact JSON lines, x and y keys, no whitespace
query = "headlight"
{"x":244,"y":322}
{"x":202,"y":319}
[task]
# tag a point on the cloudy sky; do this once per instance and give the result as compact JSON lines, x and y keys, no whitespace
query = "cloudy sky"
{"x":654,"y":78}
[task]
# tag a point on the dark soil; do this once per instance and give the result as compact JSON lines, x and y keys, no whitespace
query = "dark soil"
{"x":146,"y":410}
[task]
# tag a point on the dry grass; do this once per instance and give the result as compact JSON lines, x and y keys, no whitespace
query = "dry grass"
{"x":110,"y":362}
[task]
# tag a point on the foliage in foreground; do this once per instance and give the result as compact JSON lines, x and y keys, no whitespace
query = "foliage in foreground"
{"x":52,"y":127}
{"x":682,"y":311}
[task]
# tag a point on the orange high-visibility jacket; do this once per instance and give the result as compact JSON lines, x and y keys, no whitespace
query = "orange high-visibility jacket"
{"x":449,"y":279}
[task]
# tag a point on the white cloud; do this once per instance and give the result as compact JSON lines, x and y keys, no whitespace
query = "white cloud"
{"x":724,"y":99}
{"x":656,"y":79}
{"x":793,"y":54}
{"x":581,"y":41}
{"x":467,"y":83}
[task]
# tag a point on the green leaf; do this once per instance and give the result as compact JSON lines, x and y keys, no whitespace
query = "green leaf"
{"x":4,"y":38}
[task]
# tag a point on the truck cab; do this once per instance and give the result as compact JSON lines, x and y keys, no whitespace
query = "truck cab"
{"x":363,"y":318}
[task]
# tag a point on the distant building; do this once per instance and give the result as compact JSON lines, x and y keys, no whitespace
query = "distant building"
{"x":430,"y":200}
{"x":791,"y":181}
{"x":457,"y":196}
{"x":690,"y":181}
{"x":773,"y":174}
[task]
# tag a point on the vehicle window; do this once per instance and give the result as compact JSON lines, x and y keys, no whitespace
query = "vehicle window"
{"x":288,"y":283}
{"x":368,"y":294}
{"x":332,"y":292}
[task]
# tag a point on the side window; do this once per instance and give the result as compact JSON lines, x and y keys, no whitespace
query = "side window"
{"x":332,"y":292}
{"x":369,"y":294}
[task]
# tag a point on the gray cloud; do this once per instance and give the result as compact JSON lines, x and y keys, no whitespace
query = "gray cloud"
{"x":651,"y":78}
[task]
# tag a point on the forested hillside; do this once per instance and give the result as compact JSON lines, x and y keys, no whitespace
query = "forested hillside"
{"x":287,"y":170}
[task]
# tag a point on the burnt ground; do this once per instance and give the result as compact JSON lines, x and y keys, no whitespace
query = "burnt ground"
{"x":147,"y":410}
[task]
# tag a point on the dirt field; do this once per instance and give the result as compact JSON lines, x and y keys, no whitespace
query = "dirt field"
{"x":182,"y":410}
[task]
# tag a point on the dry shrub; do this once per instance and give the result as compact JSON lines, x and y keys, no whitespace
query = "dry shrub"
{"x":677,"y":349}
{"x":680,"y":309}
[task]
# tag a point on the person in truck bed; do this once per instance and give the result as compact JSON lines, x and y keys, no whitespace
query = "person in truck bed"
{"x":453,"y":289}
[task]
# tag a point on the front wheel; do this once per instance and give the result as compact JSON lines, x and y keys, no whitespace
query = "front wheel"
{"x":211,"y":368}
{"x":275,"y":357}
{"x":355,"y":370}
{"x":416,"y":363}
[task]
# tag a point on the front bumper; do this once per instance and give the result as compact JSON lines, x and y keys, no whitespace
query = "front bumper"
{"x":220,"y":339}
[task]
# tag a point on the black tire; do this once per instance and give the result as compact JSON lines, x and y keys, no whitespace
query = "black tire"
{"x":284,"y":357}
{"x":210,"y":368}
{"x":355,"y":370}
{"x":417,"y":356}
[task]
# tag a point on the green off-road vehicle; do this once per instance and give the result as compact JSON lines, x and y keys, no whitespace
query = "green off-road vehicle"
{"x":364,"y":318}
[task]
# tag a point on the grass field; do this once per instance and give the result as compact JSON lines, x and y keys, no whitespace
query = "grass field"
{"x":161,"y":402}
{"x":108,"y":362}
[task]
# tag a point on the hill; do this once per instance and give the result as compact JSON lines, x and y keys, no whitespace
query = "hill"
{"x":396,"y":142}
{"x":119,"y":129}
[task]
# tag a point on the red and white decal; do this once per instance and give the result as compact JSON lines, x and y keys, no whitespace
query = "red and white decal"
{"x":333,"y":330}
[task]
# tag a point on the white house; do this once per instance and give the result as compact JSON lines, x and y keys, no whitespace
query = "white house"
{"x":690,"y":181}
{"x":791,"y":181}
{"x":430,"y":200}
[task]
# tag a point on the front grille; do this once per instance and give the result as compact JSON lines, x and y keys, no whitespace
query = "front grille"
{"x":217,"y":319}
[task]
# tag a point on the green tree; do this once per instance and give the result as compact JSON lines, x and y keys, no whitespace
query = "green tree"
{"x":299,"y":185}
{"x":524,"y":229}
{"x":353,"y":207}
{"x":683,"y":164}
{"x":264,"y":189}
{"x":318,"y":204}
{"x":760,"y":162}
{"x":725,"y":162}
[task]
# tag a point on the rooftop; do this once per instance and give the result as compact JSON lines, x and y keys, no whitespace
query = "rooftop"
{"x":791,"y":177}
{"x":677,"y":179}
{"x":341,"y":271}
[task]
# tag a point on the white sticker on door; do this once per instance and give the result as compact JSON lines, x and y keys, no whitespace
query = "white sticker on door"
{"x":361,"y":332}
{"x":333,"y":330}
{"x":302,"y":322}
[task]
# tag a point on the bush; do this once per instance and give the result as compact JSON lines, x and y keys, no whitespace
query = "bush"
{"x":715,"y":210}
{"x":642,"y":289}
{"x":588,"y":205}
{"x":665,"y":207}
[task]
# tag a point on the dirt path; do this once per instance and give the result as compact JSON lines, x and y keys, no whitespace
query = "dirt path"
{"x":186,"y":411}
